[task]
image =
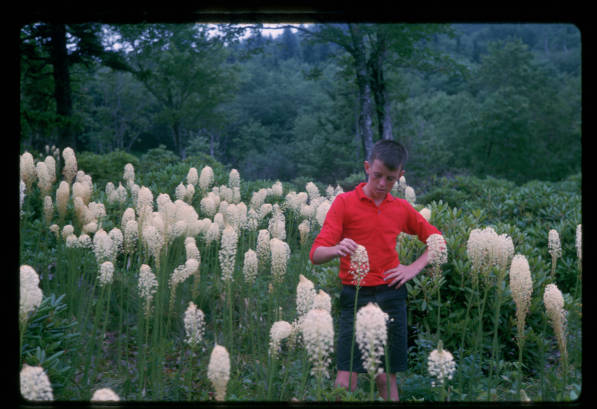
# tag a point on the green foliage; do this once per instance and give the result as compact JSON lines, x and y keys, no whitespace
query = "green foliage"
{"x":106,"y":168}
{"x":51,"y":341}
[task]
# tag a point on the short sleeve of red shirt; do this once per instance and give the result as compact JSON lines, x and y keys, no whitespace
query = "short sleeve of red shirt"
{"x":354,"y":215}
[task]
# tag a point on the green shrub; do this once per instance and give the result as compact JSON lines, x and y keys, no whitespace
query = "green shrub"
{"x":105,"y":168}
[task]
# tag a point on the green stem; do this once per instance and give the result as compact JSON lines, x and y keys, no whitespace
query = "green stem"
{"x":354,"y":318}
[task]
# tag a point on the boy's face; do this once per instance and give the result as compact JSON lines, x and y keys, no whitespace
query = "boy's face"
{"x":380,"y":180}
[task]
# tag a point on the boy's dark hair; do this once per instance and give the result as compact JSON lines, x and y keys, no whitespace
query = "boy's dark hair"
{"x":393,"y":154}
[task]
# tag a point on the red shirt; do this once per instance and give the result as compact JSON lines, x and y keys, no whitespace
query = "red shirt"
{"x":354,"y":215}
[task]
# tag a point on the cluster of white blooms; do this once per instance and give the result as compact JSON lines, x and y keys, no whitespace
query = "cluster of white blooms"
{"x":277,"y":223}
{"x":426,"y":213}
{"x":280,"y":253}
{"x":305,"y":295}
{"x":192,"y":177}
{"x":194,"y":324}
{"x":206,"y":178}
{"x":323,"y":301}
{"x":27,"y":169}
{"x":209,"y":204}
{"x":234,"y":178}
{"x":48,"y":209}
{"x":44,"y":178}
{"x":277,"y":189}
{"x":409,"y":195}
{"x":485,"y":248}
{"x":263,"y":248}
{"x":553,"y":243}
{"x":304,"y":229}
{"x":317,"y":329}
{"x":144,"y":205}
{"x":521,"y":287}
{"x":250,"y":266}
{"x":103,"y":247}
{"x":371,"y":336}
{"x":438,"y":250}
{"x":131,"y":235}
{"x":154,"y":240}
{"x":116,"y":195}
{"x":440,"y":364}
{"x":129,"y":175}
{"x":62,"y":196}
{"x":35,"y":384}
{"x":30,"y":294}
{"x":106,"y":275}
{"x":218,"y":371}
{"x":147,"y":286}
{"x":279,"y":331}
{"x":183,"y":271}
{"x":70,"y":164}
{"x":105,"y":395}
{"x":322,"y":211}
{"x":51,"y":167}
{"x":22,"y":195}
{"x":554,"y":306}
{"x":227,"y":254}
{"x":359,"y":264}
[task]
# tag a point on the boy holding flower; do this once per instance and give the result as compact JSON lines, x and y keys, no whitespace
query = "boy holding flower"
{"x":370,"y":216}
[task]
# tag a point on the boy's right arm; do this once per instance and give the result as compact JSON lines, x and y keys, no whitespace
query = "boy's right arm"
{"x":323,"y":254}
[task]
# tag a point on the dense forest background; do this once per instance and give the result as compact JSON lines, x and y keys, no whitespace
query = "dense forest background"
{"x":476,"y":99}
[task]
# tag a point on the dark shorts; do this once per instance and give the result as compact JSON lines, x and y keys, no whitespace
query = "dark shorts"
{"x":392,"y":302}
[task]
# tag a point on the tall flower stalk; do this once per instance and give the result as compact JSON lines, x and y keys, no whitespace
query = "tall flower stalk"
{"x":372,"y":336}
{"x":359,"y":267}
{"x":318,"y":335}
{"x":438,"y":255}
{"x":554,"y":307}
{"x":521,"y":287}
{"x":555,"y":250}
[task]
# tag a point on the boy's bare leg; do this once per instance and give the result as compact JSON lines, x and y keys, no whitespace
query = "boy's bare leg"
{"x":342,"y":379}
{"x":382,"y":387}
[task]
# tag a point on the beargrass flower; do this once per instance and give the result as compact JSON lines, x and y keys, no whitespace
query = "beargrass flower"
{"x":48,"y":209}
{"x":305,"y":295}
{"x":440,"y":364}
{"x":277,"y":224}
{"x":554,"y":306}
{"x":426,"y":213}
{"x":438,"y":251}
{"x":218,"y":371}
{"x":279,"y":331}
{"x":227,"y":254}
{"x":317,"y":330}
{"x":105,"y":395}
{"x":30,"y":294}
{"x":371,"y":336}
{"x":51,"y":167}
{"x":103,"y":247}
{"x":44,"y":181}
{"x":280,"y":253}
{"x":234,"y":178}
{"x":521,"y":287}
{"x":554,"y":246}
{"x":206,"y":178}
{"x":409,"y":195}
{"x":194,"y":325}
{"x":192,"y":177}
{"x":85,"y":241}
{"x":323,"y":301}
{"x":70,"y":164}
{"x":131,"y":235}
{"x":27,"y":170}
{"x":304,"y":228}
{"x":322,"y":211}
{"x":359,"y":264}
{"x":62,"y":196}
{"x":312,"y":191}
{"x":277,"y":189}
{"x":250,"y":266}
{"x":106,"y":275}
{"x":35,"y":384}
{"x":129,"y":175}
{"x":263,"y":247}
{"x":154,"y":240}
{"x":147,"y":286}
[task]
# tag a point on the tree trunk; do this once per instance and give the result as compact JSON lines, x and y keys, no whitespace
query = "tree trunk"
{"x":62,"y":88}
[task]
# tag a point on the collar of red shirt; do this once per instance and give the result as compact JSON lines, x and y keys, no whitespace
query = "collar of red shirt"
{"x":362,"y":196}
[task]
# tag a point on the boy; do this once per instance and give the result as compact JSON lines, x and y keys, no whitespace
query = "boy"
{"x":370,"y":216}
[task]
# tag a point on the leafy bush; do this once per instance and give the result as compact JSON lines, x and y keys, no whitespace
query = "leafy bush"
{"x":105,"y":168}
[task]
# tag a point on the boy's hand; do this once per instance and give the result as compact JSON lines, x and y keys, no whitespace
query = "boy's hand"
{"x":345,"y":247}
{"x":400,"y":274}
